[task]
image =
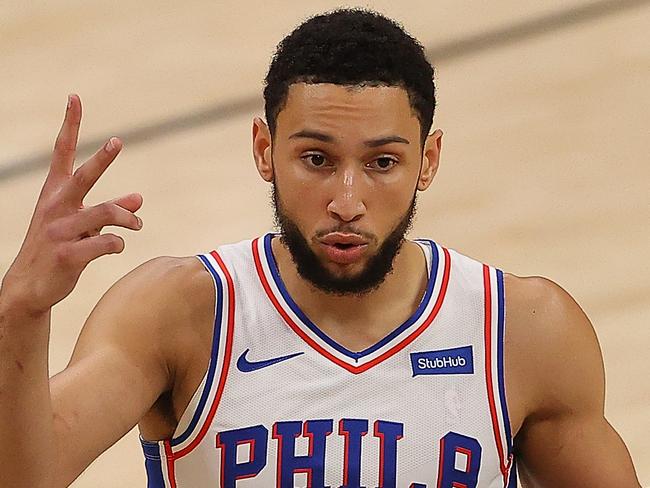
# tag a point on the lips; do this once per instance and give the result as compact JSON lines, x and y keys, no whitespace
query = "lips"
{"x":343,"y":248}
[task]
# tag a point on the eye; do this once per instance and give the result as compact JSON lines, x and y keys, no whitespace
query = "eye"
{"x":383,"y":163}
{"x":315,"y":159}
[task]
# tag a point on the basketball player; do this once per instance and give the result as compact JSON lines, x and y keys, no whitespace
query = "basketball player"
{"x":335,"y":353}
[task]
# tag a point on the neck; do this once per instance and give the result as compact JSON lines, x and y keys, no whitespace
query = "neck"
{"x":357,"y":321}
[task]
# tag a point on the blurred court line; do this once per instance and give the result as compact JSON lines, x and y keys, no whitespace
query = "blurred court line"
{"x":451,"y":50}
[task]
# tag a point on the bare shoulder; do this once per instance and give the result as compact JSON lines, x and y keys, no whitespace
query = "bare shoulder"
{"x":151,"y":307}
{"x":552,"y":350}
{"x":164,"y":278}
{"x":541,"y":302}
{"x":170,"y":287}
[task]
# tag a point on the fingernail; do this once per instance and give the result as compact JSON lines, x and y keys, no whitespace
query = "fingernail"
{"x":139,"y":222}
{"x":69,"y":101}
{"x":110,"y":145}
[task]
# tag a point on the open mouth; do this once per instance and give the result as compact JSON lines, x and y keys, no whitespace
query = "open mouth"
{"x":344,"y":248}
{"x":341,"y":245}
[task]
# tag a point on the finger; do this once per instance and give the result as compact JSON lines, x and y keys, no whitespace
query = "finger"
{"x":66,"y":142}
{"x":105,"y":214}
{"x":131,"y":202}
{"x":87,"y":174}
{"x":89,"y":221}
{"x":86,"y":250}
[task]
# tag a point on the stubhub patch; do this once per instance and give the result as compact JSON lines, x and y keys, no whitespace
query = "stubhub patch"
{"x":459,"y":360}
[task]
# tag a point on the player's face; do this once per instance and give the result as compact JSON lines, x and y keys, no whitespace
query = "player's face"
{"x":345,"y":163}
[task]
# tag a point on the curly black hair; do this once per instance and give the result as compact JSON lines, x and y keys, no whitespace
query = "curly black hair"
{"x":355,"y":47}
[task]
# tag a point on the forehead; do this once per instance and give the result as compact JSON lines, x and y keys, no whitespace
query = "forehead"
{"x":330,"y":107}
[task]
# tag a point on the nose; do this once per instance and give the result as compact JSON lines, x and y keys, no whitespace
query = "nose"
{"x":347,"y":203}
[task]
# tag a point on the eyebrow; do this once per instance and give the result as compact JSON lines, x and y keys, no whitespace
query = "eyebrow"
{"x":320,"y":136}
{"x":386,"y":140}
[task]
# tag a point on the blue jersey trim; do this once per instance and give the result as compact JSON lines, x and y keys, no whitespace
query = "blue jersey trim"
{"x":152,"y":464}
{"x":500,"y":367}
{"x":512,"y":480}
{"x":213,"y":355}
{"x":150,"y":449}
{"x":314,"y":328}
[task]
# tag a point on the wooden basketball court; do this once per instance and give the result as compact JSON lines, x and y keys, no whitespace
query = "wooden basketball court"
{"x":544,"y":170}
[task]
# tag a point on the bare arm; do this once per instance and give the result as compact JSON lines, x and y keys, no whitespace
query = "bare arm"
{"x":565,"y":440}
{"x":63,"y":237}
{"x":124,"y":359}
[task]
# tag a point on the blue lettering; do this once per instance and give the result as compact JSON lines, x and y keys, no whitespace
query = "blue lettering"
{"x":313,"y":464}
{"x":389,"y":433}
{"x":468,"y":450}
{"x":352,"y":430}
{"x":228,"y":441}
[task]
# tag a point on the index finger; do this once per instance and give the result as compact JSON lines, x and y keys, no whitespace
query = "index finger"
{"x":65,"y":146}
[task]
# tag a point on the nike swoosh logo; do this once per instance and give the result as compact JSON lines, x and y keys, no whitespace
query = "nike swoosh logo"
{"x":246,"y":366}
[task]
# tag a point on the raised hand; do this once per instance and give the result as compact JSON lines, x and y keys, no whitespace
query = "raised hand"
{"x":64,"y":235}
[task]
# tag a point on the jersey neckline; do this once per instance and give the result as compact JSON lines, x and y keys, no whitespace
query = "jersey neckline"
{"x":397,"y":339}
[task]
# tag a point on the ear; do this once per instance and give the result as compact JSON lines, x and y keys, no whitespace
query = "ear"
{"x":430,"y":159}
{"x":262,"y":149}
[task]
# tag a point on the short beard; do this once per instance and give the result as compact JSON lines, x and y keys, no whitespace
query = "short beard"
{"x":310,"y":268}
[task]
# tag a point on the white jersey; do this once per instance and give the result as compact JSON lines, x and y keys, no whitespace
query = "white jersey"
{"x":283,"y":405}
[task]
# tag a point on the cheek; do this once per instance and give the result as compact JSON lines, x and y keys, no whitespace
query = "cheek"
{"x":392,"y":193}
{"x":298,"y":184}
{"x":301,"y":194}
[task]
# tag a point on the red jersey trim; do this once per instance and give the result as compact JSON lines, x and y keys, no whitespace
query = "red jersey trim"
{"x":318,"y":348}
{"x":496,"y":429}
{"x":225,"y":366}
